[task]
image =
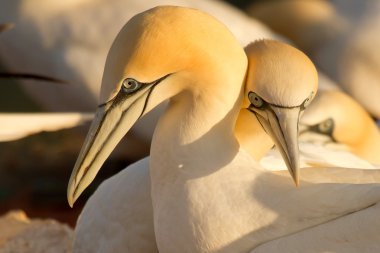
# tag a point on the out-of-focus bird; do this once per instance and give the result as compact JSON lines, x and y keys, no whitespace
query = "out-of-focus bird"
{"x":330,"y":136}
{"x":313,"y":152}
{"x":340,"y":119}
{"x":339,"y":35}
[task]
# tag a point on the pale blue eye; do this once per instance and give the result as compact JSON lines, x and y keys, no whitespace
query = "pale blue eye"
{"x":326,"y":126}
{"x":255,"y":100}
{"x":130,"y":85}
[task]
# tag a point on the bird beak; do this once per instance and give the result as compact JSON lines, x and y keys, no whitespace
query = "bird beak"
{"x":282,"y":125}
{"x":112,"y":121}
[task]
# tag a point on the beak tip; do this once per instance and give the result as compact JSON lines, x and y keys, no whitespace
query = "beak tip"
{"x":70,"y":200}
{"x":296,"y":179}
{"x":71,"y":192}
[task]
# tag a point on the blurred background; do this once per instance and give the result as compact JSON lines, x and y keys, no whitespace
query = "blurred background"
{"x":43,"y":123}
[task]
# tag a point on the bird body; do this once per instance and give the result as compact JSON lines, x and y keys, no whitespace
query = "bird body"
{"x":356,"y":231}
{"x":314,"y":153}
{"x":119,"y":214}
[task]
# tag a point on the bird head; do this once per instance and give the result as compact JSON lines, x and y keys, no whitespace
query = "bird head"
{"x":159,"y":54}
{"x":281,"y":82}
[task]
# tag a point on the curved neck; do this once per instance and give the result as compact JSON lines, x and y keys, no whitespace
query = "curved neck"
{"x":195,"y":135}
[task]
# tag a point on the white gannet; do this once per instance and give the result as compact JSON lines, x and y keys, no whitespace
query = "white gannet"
{"x":342,"y":120}
{"x":339,"y":35}
{"x":207,"y":194}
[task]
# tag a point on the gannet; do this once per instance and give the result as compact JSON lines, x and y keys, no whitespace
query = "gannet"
{"x":207,"y":194}
{"x":342,"y":120}
{"x":339,"y":35}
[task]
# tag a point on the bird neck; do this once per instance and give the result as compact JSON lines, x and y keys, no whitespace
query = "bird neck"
{"x":192,"y":149}
{"x":195,"y":135}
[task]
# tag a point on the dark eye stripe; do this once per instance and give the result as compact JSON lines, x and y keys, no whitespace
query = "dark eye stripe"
{"x":303,"y":105}
{"x":328,"y":131}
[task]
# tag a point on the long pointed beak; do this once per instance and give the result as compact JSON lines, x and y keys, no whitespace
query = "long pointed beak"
{"x":282,"y":125}
{"x":112,"y":121}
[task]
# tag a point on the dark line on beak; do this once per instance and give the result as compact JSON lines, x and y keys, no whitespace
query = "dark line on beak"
{"x":115,"y":101}
{"x":106,"y":139}
{"x":147,"y":99}
{"x":254,"y":113}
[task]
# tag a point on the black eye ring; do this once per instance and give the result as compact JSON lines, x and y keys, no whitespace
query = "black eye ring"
{"x":130,"y":85}
{"x":327,"y":126}
{"x":255,"y":100}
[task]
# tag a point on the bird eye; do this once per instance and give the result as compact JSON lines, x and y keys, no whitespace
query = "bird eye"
{"x":130,"y":85}
{"x":255,"y":100}
{"x":308,"y":100}
{"x":326,"y":126}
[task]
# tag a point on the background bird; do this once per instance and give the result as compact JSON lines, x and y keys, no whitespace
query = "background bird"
{"x":329,"y":136}
{"x":327,"y":116}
